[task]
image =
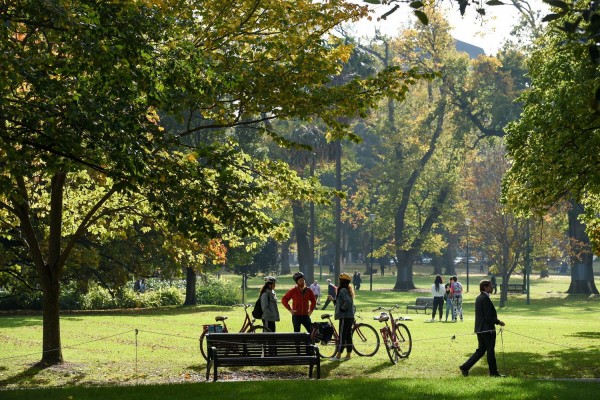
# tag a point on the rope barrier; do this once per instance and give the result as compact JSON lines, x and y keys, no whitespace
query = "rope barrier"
{"x":66,"y":347}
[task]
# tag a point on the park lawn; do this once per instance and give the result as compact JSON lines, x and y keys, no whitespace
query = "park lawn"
{"x":552,"y":339}
{"x":448,"y":388}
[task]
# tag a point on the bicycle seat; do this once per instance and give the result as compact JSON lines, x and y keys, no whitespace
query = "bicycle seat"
{"x":325,"y":316}
{"x":220,"y":318}
{"x":382,"y":317}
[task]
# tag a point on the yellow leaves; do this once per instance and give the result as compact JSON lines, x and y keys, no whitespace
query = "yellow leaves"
{"x":191,"y":157}
{"x":343,"y":52}
{"x":152,"y":116}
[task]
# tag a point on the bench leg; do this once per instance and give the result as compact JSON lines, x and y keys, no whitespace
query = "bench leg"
{"x":208,"y":365}
{"x":318,"y":369}
{"x":215,"y":372}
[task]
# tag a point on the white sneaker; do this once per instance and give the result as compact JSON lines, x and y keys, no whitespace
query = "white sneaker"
{"x":334,"y":359}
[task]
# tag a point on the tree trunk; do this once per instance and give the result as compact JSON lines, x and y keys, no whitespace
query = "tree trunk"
{"x":302,"y":241}
{"x":285,"y":258}
{"x":582,"y":272}
{"x":404,"y":280}
{"x":51,"y":343}
{"x":190,"y":287}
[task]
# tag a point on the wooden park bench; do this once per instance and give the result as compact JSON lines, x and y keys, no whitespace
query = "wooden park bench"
{"x":261,"y":349}
{"x":518,"y":288}
{"x":421,"y":303}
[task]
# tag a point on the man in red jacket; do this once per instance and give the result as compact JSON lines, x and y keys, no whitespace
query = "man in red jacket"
{"x":303,"y":303}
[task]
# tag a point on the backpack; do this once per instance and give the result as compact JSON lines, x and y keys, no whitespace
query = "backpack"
{"x":257,"y":311}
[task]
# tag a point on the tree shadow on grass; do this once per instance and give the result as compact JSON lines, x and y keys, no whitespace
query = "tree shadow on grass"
{"x":586,"y":335}
{"x":31,"y":376}
{"x":19,"y":322}
{"x":565,"y":363}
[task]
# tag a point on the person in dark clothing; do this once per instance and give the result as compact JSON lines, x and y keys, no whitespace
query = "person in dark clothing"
{"x":493,"y":280}
{"x":331,"y":291}
{"x":485,"y":320}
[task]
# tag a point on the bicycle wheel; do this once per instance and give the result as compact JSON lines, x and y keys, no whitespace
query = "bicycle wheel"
{"x":203,"y":347}
{"x":403,"y":340}
{"x":259,"y":328}
{"x":365,"y":340}
{"x":391,"y":348}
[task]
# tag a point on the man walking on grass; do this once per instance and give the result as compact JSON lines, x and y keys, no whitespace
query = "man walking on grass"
{"x":485,"y":320}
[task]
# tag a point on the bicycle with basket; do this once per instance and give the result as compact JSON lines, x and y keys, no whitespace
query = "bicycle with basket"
{"x":248,"y":326}
{"x":365,"y":341}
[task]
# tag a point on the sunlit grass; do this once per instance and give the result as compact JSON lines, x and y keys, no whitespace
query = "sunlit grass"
{"x":554,"y":337}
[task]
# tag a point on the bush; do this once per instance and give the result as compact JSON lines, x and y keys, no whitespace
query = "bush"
{"x":211,"y":290}
{"x":167,"y":296}
{"x":98,"y":298}
{"x":159,"y":293}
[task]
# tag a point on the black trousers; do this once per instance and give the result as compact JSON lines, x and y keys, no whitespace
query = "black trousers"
{"x":487,"y":344}
{"x":438,"y":304}
{"x":345,"y":332}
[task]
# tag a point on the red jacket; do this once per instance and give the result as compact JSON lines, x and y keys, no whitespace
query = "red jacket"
{"x":300,"y":300}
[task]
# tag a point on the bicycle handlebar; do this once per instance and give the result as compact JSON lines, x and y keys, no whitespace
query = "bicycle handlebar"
{"x":395,"y":306}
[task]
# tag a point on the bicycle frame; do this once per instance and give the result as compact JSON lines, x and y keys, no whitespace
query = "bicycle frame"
{"x":395,"y":335}
{"x":365,"y":341}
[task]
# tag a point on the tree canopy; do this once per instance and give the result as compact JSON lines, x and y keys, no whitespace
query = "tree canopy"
{"x":84,"y":150}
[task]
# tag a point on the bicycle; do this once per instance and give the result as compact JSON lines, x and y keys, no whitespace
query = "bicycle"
{"x":247,"y":326}
{"x":365,"y":340}
{"x":396,"y":336}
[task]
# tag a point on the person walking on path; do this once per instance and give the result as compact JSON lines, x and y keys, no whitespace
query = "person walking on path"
{"x":438,"y":291}
{"x":316,"y":291}
{"x":485,"y":320}
{"x":331,"y":292}
{"x":456,"y":291}
{"x":303,"y":303}
{"x":268,"y":303}
{"x":448,"y":299}
{"x":344,"y":313}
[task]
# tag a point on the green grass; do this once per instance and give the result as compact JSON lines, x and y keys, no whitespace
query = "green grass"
{"x":543,"y":348}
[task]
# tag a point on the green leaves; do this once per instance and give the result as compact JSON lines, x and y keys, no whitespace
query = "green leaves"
{"x":422,"y":17}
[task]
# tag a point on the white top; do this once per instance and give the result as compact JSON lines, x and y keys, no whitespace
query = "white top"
{"x":438,"y":293}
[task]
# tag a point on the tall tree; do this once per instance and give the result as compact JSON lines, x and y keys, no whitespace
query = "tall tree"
{"x":554,"y":145}
{"x":82,"y":87}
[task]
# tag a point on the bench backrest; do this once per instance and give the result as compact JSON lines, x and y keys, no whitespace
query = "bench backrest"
{"x":260,"y":344}
{"x":421,"y":301}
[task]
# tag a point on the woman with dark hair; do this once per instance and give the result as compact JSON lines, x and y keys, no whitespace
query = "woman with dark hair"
{"x":268,"y":302}
{"x":344,"y":312}
{"x":438,"y":291}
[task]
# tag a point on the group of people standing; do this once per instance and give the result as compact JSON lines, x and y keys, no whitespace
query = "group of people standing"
{"x":301,"y":301}
{"x":450,"y":294}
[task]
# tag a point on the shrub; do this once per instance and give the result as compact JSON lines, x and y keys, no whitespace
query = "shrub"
{"x":211,"y":290}
{"x":98,"y":298}
{"x":168,"y":296}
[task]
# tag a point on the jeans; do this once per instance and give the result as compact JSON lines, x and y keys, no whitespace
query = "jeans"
{"x":448,"y":307}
